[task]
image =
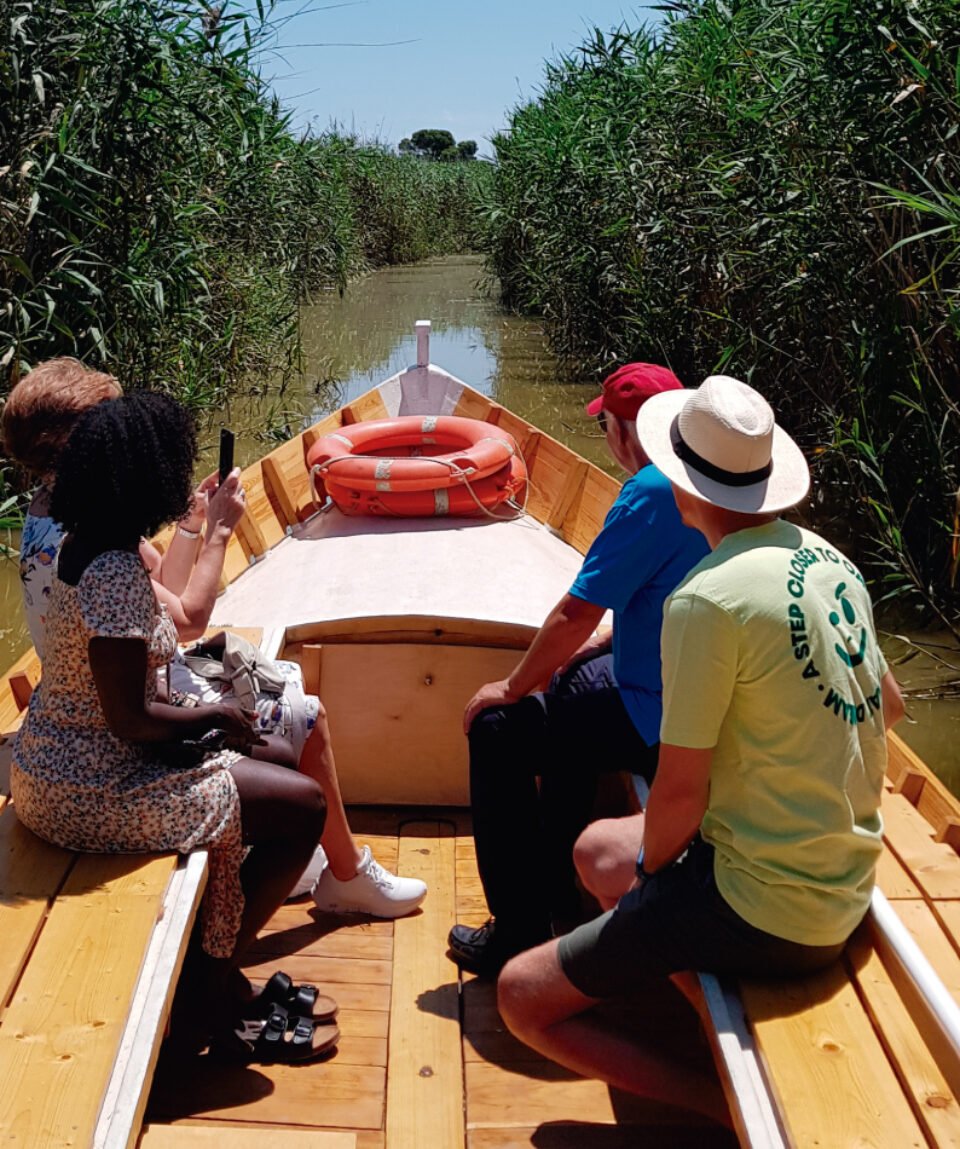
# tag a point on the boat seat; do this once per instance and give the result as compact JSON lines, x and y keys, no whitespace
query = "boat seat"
{"x":91,"y":946}
{"x":213,"y":1136}
{"x":802,"y":1062}
{"x":866,"y":1053}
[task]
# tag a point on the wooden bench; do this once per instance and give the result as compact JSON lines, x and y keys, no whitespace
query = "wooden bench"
{"x":868,"y":1052}
{"x":91,"y":947}
{"x":263,"y":1137}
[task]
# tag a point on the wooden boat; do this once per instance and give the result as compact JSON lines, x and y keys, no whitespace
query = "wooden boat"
{"x":395,"y":623}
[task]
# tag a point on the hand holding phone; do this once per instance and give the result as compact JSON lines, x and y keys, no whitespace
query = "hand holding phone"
{"x":226,"y":454}
{"x":226,"y":505}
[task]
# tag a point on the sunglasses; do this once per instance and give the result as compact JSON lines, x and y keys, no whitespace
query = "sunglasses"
{"x":602,"y":421}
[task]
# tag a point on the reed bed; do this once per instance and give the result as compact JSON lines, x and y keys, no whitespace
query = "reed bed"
{"x":767,"y":188}
{"x":159,"y":215}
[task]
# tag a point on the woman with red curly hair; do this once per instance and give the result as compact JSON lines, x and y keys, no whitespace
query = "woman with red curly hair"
{"x":38,"y":417}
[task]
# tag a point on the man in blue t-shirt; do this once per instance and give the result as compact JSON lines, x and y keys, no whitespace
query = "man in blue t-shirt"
{"x":601,"y":711}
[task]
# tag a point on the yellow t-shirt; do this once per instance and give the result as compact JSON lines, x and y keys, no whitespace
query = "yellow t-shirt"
{"x":770,"y":656}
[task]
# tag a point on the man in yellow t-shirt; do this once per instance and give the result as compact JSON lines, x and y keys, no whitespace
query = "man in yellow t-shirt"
{"x":757,"y":852}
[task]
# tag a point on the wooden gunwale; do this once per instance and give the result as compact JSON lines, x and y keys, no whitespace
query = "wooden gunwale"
{"x":921,"y":868}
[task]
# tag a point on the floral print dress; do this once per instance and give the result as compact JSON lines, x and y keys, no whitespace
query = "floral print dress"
{"x":78,"y":785}
{"x":292,"y":715}
{"x":38,"y":559}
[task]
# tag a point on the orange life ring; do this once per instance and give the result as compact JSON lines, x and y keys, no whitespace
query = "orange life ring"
{"x":469,"y":498}
{"x":410,"y":453}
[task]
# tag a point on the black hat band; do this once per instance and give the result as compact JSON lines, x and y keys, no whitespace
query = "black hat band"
{"x":684,"y":451}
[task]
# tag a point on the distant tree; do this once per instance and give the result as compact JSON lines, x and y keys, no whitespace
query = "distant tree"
{"x":437,"y":144}
{"x":431,"y":142}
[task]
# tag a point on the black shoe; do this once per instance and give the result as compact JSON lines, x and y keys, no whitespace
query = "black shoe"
{"x":481,"y":950}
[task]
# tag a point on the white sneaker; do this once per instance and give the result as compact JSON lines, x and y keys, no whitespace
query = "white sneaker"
{"x":373,"y":891}
{"x":310,"y":876}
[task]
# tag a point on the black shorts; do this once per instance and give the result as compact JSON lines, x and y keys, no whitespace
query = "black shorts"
{"x":678,"y":921}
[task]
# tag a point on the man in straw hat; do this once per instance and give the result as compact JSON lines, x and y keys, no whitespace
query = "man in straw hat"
{"x":600,"y":711}
{"x":757,"y":851}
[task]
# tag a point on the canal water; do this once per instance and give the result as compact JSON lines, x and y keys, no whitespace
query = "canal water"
{"x":353,"y":342}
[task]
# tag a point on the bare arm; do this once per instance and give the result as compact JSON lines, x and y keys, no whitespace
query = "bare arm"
{"x":175,"y":567}
{"x":677,"y":804}
{"x":191,"y":610}
{"x":892,"y":700}
{"x":599,"y":643}
{"x":119,"y":667}
{"x":176,"y":563}
{"x":566,"y":627}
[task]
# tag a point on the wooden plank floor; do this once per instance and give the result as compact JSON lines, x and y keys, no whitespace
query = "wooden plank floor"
{"x":424,"y":1061}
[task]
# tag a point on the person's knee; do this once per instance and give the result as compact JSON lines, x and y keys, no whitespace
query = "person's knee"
{"x":311,"y":807}
{"x":590,"y":855}
{"x":595,"y":861}
{"x":489,"y":725}
{"x":281,"y":751}
{"x":511,"y":724}
{"x":319,"y":738}
{"x":534,"y":993}
{"x":317,"y":744}
{"x":524,"y":992}
{"x":513,"y":994}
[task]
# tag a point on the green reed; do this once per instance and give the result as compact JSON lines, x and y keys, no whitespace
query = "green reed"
{"x":768,"y":189}
{"x":158,"y":214}
{"x":746,"y":189}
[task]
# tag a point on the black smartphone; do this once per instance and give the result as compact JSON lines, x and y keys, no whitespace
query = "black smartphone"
{"x":226,"y":453}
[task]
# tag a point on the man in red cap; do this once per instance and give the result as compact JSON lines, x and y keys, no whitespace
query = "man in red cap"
{"x":601,"y":710}
{"x":627,"y":389}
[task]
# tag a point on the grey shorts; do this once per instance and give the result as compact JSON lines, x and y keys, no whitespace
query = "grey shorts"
{"x":678,"y":921}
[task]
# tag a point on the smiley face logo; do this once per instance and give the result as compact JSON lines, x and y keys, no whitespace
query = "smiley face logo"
{"x":850,"y":617}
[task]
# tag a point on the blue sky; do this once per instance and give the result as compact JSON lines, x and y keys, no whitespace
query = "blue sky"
{"x":466,"y":67}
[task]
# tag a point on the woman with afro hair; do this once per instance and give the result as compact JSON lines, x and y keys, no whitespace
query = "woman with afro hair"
{"x":101,"y":764}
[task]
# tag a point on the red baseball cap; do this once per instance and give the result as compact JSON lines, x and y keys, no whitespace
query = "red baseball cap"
{"x":629,"y":387}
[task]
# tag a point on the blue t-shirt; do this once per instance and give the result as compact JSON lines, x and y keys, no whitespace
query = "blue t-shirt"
{"x":639,"y":557}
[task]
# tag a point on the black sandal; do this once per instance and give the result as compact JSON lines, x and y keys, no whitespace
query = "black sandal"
{"x":279,"y":1038}
{"x":298,"y":1000}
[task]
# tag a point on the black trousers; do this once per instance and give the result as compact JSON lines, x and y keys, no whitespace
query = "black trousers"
{"x":524,"y":832}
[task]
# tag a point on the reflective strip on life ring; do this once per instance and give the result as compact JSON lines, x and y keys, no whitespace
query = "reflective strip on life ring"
{"x":360,"y":456}
{"x":472,"y":498}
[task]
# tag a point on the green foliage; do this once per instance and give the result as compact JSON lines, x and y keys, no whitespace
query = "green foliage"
{"x":767,"y":188}
{"x":157,"y":214}
{"x":410,"y":209}
{"x":13,"y":508}
{"x":437,"y":144}
{"x":432,"y":142}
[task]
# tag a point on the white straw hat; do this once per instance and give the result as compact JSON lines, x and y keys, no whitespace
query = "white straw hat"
{"x":720,"y":442}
